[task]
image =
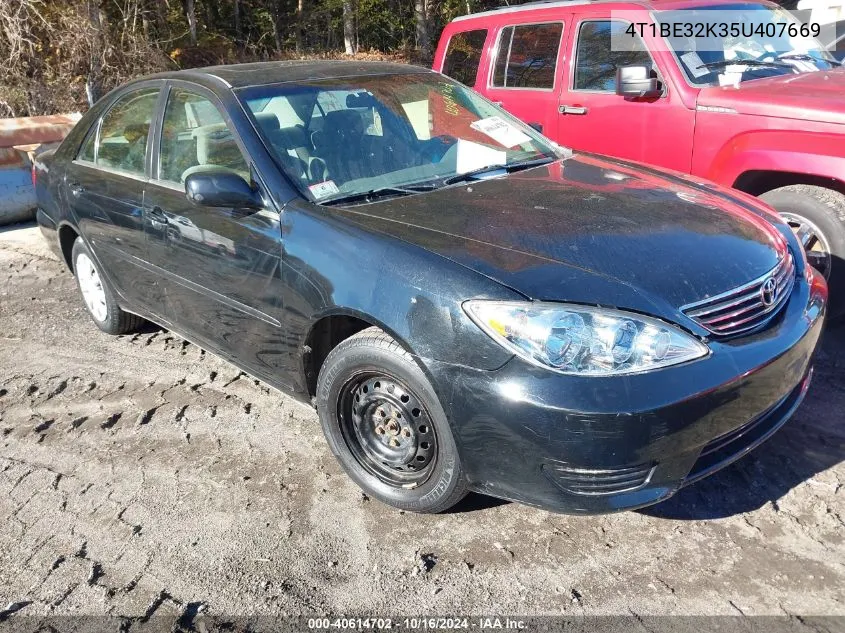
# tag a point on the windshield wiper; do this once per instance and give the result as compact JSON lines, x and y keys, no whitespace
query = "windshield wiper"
{"x":803,"y":57}
{"x":757,"y":63}
{"x":380,"y":192}
{"x":509,"y":168}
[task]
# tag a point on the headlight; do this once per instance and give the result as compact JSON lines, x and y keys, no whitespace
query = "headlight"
{"x":584,"y":341}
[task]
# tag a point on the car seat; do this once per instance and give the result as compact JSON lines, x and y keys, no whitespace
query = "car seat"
{"x":217,"y":151}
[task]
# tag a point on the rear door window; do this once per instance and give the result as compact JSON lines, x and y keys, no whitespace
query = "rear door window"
{"x":124,"y":130}
{"x":527,"y":56}
{"x":463,"y":55}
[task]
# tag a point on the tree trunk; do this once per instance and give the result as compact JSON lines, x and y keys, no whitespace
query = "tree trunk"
{"x":421,"y":22}
{"x":276,"y":13}
{"x":212,"y":15}
{"x":191,"y":14}
{"x":349,"y":27}
{"x":238,"y":31}
{"x":300,"y":10}
{"x":93,"y":87}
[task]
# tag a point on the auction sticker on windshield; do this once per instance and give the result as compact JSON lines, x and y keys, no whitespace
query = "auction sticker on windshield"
{"x":323,"y":189}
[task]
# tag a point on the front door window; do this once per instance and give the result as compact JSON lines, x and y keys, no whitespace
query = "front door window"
{"x":195,"y":138}
{"x":596,"y":60}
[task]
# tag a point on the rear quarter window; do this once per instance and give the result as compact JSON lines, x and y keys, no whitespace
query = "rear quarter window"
{"x":463,"y":56}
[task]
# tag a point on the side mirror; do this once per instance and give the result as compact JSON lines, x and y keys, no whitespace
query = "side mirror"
{"x":221,"y":189}
{"x":637,"y":81}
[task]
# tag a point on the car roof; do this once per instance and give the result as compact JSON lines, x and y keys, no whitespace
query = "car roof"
{"x":649,"y":5}
{"x":265,"y":73}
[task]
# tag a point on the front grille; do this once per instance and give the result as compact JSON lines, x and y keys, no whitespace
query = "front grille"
{"x":743,"y":309}
{"x":598,"y":482}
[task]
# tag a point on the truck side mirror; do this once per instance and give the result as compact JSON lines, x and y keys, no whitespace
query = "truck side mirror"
{"x":637,"y":81}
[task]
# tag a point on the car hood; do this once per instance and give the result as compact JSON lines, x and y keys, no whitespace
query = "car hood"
{"x":810,"y":96}
{"x":649,"y":233}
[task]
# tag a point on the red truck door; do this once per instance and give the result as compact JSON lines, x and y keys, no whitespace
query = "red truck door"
{"x":593,"y":118}
{"x":522,"y":74}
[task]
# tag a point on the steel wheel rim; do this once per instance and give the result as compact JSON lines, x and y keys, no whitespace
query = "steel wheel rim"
{"x":813,"y":241}
{"x":387,"y":429}
{"x":92,"y":287}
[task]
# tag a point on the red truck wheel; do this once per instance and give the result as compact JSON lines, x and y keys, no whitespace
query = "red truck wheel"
{"x":817,"y":215}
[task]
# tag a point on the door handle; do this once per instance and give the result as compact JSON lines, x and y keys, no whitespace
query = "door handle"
{"x":76,"y":189}
{"x":565,"y":109}
{"x":497,"y":103}
{"x":158,"y":215}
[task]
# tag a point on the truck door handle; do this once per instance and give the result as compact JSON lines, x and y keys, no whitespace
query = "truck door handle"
{"x":158,"y":216}
{"x":565,"y":109}
{"x":76,"y":189}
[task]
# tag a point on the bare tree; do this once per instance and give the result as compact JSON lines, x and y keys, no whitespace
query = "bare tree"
{"x":191,"y":14}
{"x":422,"y":27}
{"x":300,"y":20}
{"x":238,"y":28}
{"x":277,"y":13}
{"x":93,"y":88}
{"x":349,"y":40}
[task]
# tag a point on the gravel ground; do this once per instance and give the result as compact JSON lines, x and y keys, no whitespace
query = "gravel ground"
{"x":140,"y":475}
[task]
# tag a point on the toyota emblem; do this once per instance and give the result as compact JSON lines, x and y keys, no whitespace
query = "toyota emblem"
{"x":769,"y":292}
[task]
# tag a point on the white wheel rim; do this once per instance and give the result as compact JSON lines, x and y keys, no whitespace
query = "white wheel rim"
{"x":92,"y":287}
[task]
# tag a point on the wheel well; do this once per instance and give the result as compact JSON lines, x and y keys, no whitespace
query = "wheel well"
{"x":327,"y":334}
{"x":67,"y":236}
{"x":759,"y":182}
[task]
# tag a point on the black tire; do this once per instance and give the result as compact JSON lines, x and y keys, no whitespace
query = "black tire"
{"x":116,"y":320}
{"x":355,"y":361}
{"x":824,"y":209}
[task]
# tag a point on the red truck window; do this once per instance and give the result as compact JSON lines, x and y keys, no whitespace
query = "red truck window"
{"x":463,"y":55}
{"x":527,"y":56}
{"x":596,"y":62}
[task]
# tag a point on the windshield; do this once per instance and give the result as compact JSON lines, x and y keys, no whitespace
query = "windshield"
{"x":347,"y":136}
{"x":756,"y":41}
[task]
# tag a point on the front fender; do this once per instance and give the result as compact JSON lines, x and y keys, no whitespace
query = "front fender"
{"x":333,"y":267}
{"x":814,"y":154}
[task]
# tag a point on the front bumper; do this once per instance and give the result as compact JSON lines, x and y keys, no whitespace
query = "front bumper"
{"x":591,"y":445}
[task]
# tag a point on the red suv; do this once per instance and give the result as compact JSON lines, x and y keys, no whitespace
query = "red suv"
{"x":751,"y":113}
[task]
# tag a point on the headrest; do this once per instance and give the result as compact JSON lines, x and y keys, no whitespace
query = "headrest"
{"x":360,"y":100}
{"x":345,"y":121}
{"x":207,"y":136}
{"x":267,"y":121}
{"x":292,"y":137}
